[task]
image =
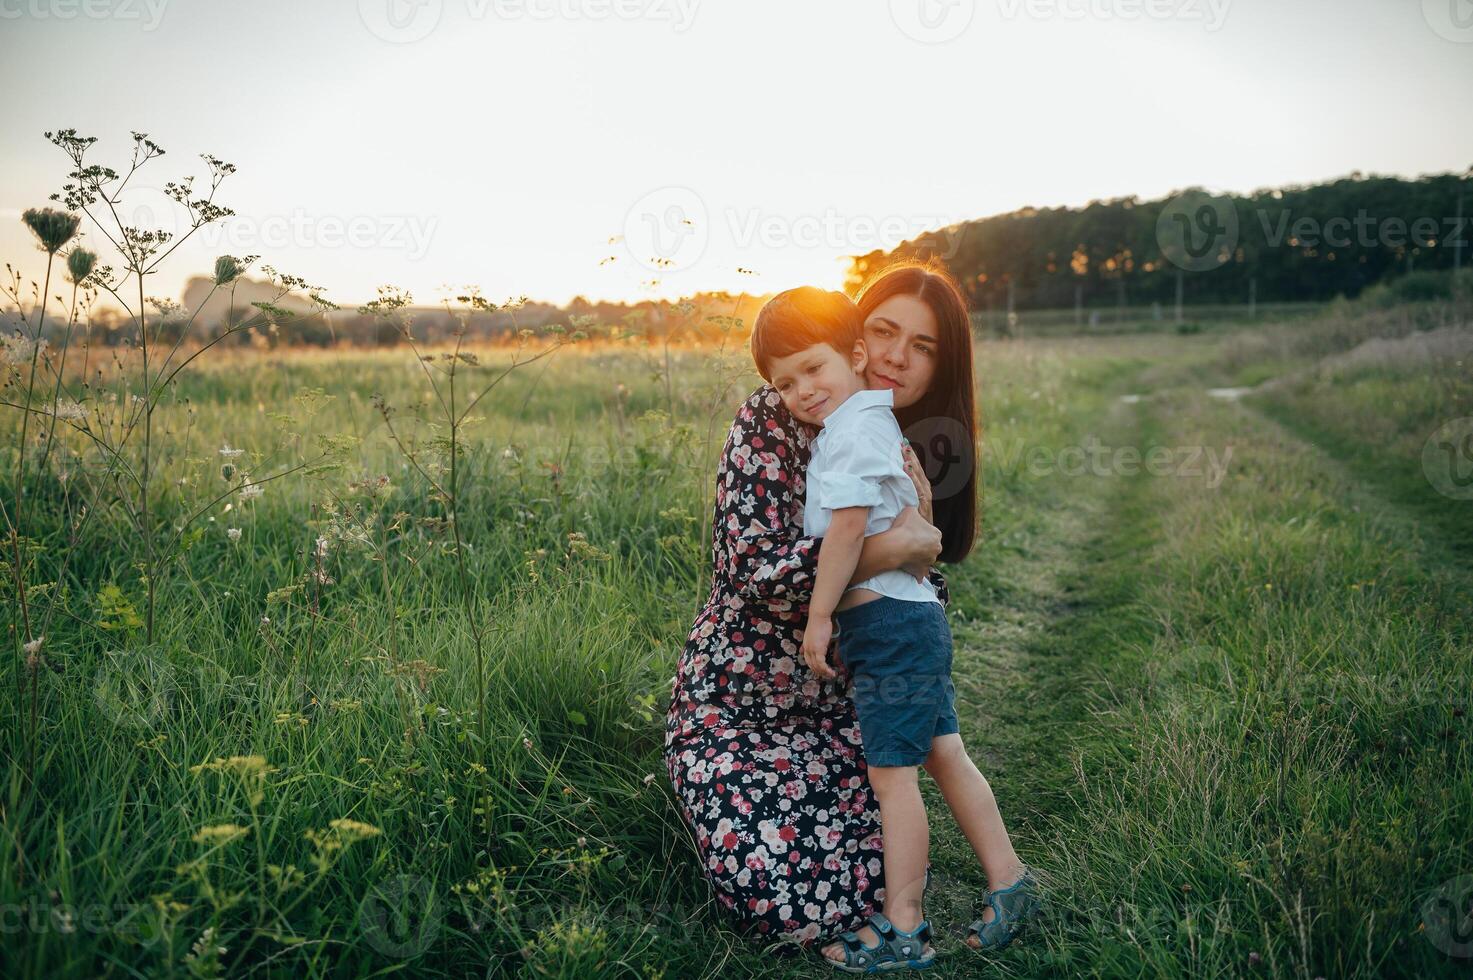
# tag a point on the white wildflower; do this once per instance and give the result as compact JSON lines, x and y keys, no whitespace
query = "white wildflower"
{"x":229,"y":453}
{"x":250,"y":491}
{"x":69,"y":410}
{"x":233,"y":533}
{"x":204,"y":947}
{"x":19,"y":350}
{"x":34,"y":646}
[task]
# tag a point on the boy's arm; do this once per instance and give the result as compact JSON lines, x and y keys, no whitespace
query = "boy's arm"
{"x":836,"y":562}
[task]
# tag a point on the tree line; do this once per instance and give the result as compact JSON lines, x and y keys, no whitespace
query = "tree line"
{"x":1289,"y":244}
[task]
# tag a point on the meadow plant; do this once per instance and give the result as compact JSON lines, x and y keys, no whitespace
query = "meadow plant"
{"x":441,"y":459}
{"x":98,"y":450}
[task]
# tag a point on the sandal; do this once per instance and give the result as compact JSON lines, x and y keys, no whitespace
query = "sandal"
{"x":1012,"y":907}
{"x":860,"y":958}
{"x":896,"y":950}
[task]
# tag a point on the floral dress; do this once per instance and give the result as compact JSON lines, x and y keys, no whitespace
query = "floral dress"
{"x":765,"y":756}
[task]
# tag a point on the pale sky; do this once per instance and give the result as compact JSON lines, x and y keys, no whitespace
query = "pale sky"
{"x":438,"y":143}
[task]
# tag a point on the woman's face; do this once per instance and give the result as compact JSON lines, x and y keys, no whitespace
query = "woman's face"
{"x":903,"y":343}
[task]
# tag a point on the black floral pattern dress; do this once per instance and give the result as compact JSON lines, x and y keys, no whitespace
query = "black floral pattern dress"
{"x":765,"y":757}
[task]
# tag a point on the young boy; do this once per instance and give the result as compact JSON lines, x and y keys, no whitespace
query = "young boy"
{"x":891,"y":629}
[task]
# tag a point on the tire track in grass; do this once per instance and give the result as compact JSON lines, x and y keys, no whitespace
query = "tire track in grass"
{"x":1442,"y":525}
{"x":1242,"y":789}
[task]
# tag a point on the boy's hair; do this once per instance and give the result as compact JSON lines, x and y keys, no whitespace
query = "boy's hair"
{"x":796,"y":319}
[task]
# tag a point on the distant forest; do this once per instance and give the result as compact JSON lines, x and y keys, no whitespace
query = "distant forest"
{"x":1290,"y":244}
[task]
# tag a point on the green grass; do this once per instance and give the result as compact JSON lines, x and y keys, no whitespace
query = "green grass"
{"x":1228,"y":722}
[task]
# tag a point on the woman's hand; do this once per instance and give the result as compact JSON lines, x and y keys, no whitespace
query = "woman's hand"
{"x":917,"y":542}
{"x":917,"y":474}
{"x":816,"y":637}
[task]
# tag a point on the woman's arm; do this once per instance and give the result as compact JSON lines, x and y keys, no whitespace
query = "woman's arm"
{"x":911,"y":544}
{"x":756,"y":549}
{"x":760,"y":552}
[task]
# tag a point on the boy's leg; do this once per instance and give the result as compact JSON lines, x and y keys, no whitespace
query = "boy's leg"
{"x":975,"y":808}
{"x":907,"y":842}
{"x":907,"y":845}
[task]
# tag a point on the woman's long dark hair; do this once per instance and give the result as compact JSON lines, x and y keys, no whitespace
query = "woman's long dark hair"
{"x":951,"y":394}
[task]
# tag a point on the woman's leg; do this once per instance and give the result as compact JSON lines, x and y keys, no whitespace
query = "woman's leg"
{"x":975,"y":807}
{"x":907,"y":844}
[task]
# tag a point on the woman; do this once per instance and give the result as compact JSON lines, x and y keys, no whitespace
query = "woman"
{"x":765,"y":758}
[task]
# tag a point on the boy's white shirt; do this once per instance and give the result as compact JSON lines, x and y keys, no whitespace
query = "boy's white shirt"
{"x":855,"y":462}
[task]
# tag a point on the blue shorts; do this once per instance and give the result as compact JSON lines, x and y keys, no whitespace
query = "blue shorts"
{"x":898,"y":653}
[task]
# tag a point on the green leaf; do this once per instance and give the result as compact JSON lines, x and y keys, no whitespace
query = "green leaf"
{"x":115,"y":612}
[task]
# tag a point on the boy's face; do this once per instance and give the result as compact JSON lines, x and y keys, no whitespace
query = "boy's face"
{"x":816,"y":380}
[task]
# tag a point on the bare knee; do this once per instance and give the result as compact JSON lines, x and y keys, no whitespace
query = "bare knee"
{"x":948,"y":755}
{"x":891,"y":781}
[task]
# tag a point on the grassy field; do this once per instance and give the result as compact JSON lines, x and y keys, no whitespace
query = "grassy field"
{"x":1221,"y":688}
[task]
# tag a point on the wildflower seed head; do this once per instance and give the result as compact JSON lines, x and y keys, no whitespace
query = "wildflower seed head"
{"x":79,"y":264}
{"x":227,"y":270}
{"x":54,"y":228}
{"x":233,"y":533}
{"x":352,"y":831}
{"x":220,"y":833}
{"x":18,"y":350}
{"x":227,"y":471}
{"x":34,"y":646}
